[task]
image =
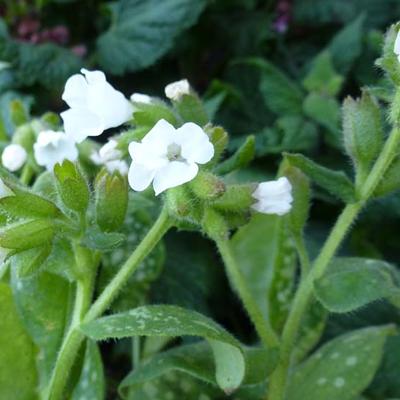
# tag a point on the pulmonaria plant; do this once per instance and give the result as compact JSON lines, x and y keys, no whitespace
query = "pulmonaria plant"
{"x":77,"y":242}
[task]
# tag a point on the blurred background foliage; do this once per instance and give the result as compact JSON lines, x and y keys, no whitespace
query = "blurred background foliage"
{"x":276,"y":69}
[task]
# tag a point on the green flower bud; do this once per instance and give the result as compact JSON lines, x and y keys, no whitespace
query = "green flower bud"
{"x":236,"y":198}
{"x":25,"y":136}
{"x":219,"y":138}
{"x":26,"y":235}
{"x":182,"y":205}
{"x":18,"y":112}
{"x":214,"y":225}
{"x":111,"y":191}
{"x":362,"y":130}
{"x":207,"y":186}
{"x":72,"y":186}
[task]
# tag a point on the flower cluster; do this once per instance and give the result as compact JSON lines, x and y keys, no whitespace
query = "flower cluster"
{"x":165,"y":156}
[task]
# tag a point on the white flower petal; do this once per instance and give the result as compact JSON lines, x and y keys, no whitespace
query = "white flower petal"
{"x":75,"y":91}
{"x":54,"y":147}
{"x":160,"y":136}
{"x":117,"y":166}
{"x":195,"y":143}
{"x":150,"y":156}
{"x":14,"y":157}
{"x":140,"y":177}
{"x":174,"y":174}
{"x":109,"y":151}
{"x":110,"y":104}
{"x":274,"y":197}
{"x":5,"y":191}
{"x":141,"y":98}
{"x":176,"y":90}
{"x":397,"y":44}
{"x":79,"y":123}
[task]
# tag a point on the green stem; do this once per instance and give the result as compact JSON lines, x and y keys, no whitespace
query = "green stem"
{"x":72,"y":341}
{"x":26,"y":174}
{"x":74,"y":337}
{"x":302,"y":253}
{"x":159,"y":229}
{"x":278,"y":382}
{"x":263,"y":327}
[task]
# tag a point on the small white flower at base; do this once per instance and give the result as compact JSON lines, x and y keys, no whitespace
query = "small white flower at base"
{"x":397,"y":46}
{"x":5,"y":191}
{"x":108,"y":152}
{"x":176,"y":90}
{"x":54,"y":147}
{"x":14,"y":157}
{"x":273,"y":197}
{"x":141,"y":98}
{"x":168,"y":157}
{"x":94,"y":105}
{"x":117,"y":166}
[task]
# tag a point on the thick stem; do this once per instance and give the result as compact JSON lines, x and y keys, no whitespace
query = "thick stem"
{"x":278,"y":382}
{"x":26,"y":174}
{"x":74,"y":337}
{"x":263,"y":327}
{"x":71,"y":343}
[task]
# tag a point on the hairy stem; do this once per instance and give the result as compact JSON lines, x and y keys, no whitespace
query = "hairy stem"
{"x":278,"y":382}
{"x":74,"y":337}
{"x":238,"y":282}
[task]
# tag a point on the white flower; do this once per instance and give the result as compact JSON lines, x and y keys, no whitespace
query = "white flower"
{"x":54,"y":147}
{"x":14,"y":157}
{"x":117,"y":166}
{"x":5,"y":191}
{"x":176,"y":90}
{"x":141,"y":98}
{"x":107,"y":152}
{"x":274,"y":197}
{"x":95,"y":105}
{"x":168,"y":156}
{"x":397,"y":46}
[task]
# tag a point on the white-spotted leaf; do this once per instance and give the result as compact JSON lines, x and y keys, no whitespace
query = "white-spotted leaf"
{"x":352,"y":282}
{"x":342,"y":368}
{"x":161,"y":320}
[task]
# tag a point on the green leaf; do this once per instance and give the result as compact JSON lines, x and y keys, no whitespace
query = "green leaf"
{"x":335,"y":182}
{"x":147,"y":115}
{"x":91,"y":383}
{"x":197,"y":361}
{"x":30,"y":261}
{"x":174,"y":321}
{"x":311,"y":330}
{"x":346,"y":46}
{"x":322,"y":77}
{"x":144,"y":30}
{"x":43,"y":303}
{"x":325,"y":110}
{"x":342,"y":368}
{"x":280,"y":94}
{"x":17,"y":355}
{"x":105,"y":241}
{"x":191,"y":109}
{"x":242,"y":157}
{"x":289,"y":133}
{"x":352,"y":282}
{"x":25,"y":205}
{"x":268,"y":265}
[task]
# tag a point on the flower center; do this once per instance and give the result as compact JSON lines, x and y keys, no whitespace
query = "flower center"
{"x":174,"y":152}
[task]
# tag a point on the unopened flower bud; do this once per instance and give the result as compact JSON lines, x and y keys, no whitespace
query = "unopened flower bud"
{"x":111,"y":200}
{"x":14,"y":157}
{"x":141,"y":98}
{"x":72,"y":186}
{"x":176,"y":90}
